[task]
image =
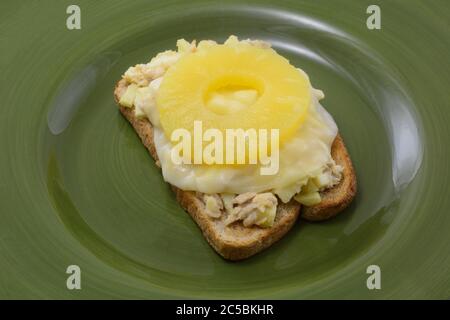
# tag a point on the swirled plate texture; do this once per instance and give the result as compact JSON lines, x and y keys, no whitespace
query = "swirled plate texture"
{"x":78,"y":188}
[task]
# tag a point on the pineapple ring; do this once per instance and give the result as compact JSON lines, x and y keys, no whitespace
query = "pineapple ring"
{"x":283,"y":93}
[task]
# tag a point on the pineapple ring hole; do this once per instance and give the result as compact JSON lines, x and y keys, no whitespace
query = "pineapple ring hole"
{"x":232,"y":93}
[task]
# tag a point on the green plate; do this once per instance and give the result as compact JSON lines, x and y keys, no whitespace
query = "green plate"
{"x":78,"y":188}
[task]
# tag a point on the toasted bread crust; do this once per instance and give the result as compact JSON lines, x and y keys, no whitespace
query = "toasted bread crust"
{"x":236,"y":242}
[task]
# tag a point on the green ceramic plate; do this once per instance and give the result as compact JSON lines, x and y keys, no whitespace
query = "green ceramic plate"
{"x":78,"y":188}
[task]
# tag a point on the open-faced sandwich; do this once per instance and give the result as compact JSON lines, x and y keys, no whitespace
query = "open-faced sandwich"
{"x":262,"y":151}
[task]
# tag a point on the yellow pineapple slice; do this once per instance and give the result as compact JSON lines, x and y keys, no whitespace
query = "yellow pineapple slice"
{"x":231,"y":86}
{"x":231,"y":99}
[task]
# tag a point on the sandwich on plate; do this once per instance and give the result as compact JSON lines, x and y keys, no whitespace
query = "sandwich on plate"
{"x":241,"y":137}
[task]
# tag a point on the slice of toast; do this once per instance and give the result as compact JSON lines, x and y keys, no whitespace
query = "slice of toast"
{"x":236,"y":242}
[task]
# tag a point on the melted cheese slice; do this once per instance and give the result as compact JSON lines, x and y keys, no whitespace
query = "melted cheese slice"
{"x":303,"y":156}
